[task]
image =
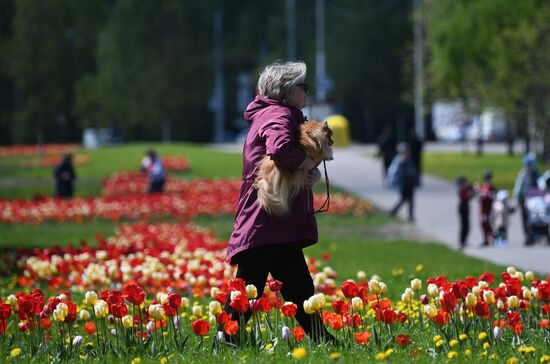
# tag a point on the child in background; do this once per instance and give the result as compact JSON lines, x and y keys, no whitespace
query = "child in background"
{"x":501,"y":212}
{"x":465,"y":194}
{"x":486,"y":199}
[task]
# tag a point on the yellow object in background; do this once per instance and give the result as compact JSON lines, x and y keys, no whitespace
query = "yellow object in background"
{"x":340,"y":126}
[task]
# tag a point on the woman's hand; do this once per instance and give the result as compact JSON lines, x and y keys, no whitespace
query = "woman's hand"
{"x":313,"y":177}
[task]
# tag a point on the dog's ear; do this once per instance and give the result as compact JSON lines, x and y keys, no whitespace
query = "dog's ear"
{"x":328,"y":131}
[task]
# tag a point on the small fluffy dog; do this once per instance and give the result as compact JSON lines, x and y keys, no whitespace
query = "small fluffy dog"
{"x":277,"y":186}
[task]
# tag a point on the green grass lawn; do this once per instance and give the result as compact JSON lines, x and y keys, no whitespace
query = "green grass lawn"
{"x":449,"y":165}
{"x":205,"y":163}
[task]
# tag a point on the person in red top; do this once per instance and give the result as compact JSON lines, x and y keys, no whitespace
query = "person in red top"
{"x":486,"y":198}
{"x":465,"y":194}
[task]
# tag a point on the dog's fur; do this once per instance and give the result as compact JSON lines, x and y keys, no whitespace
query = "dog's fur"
{"x":277,"y":186}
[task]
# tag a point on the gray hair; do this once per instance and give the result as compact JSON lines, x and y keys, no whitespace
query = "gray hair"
{"x":277,"y":79}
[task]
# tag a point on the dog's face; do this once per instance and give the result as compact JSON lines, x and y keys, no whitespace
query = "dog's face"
{"x":316,"y":139}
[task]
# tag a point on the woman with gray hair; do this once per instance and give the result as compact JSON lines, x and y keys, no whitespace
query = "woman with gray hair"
{"x":261,"y":243}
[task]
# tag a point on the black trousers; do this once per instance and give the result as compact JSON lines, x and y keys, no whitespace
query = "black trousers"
{"x":287,"y":264}
{"x":464,"y":213}
{"x":406,"y":195}
{"x":156,"y":186}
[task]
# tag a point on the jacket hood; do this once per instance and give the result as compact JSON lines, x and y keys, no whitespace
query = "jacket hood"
{"x":259,"y":104}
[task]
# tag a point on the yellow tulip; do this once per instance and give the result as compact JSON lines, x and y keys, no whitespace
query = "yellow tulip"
{"x":215,"y":308}
{"x":513,"y":302}
{"x":357,"y":304}
{"x":251,"y":291}
{"x":416,"y":284}
{"x":127,"y":321}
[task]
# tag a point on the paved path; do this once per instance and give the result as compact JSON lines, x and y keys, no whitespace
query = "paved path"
{"x":355,"y":170}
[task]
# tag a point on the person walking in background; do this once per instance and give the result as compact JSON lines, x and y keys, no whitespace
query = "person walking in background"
{"x":403,"y":177}
{"x":465,"y":194}
{"x":64,"y":175}
{"x":526,"y":179}
{"x":501,"y":212}
{"x":486,"y":198}
{"x":415,"y":146}
{"x":155,"y":173}
{"x":386,"y":150}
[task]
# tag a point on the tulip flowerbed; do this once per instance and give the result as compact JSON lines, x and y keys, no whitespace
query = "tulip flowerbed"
{"x":53,"y":160}
{"x":31,"y":150}
{"x":474,"y":319}
{"x":196,"y":197}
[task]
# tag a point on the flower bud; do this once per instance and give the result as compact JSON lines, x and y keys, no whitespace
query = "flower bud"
{"x":500,"y":305}
{"x":383,"y":287}
{"x":476,"y":290}
{"x":101,"y":309}
{"x":251,"y":291}
{"x":196,"y":311}
{"x":489,"y":296}
{"x":535,"y":292}
{"x":433,"y":291}
{"x":357,"y":304}
{"x":285,"y":333}
{"x":77,"y":341}
{"x":497,"y":332}
{"x":127,"y":321}
{"x":84,"y":315}
{"x":214,"y":292}
{"x":513,"y":302}
{"x":308,"y":307}
{"x":361,"y":275}
{"x":424,"y":299}
{"x":530,"y":276}
{"x":374,"y":286}
{"x":511,"y":270}
{"x":482,"y":284}
{"x":215,"y":308}
{"x":90,"y":298}
{"x":416,"y":284}
{"x":162,"y":297}
{"x":471,"y":299}
{"x":527,"y":294}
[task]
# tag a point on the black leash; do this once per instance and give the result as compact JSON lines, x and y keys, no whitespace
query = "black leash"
{"x":327,"y":200}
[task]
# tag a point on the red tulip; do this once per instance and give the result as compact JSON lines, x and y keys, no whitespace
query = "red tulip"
{"x":362,"y":338}
{"x":134,"y":293}
{"x":289,"y":310}
{"x":340,"y":307}
{"x":223,"y":318}
{"x":5,"y":311}
{"x":442,"y":317}
{"x":240,"y":303}
{"x":449,"y":301}
{"x":89,"y":327}
{"x":403,"y":340}
{"x":482,"y":310}
{"x":231,"y":327}
{"x":349,"y":289}
{"x":200,"y":327}
{"x":71,"y":315}
{"x":298,"y":333}
{"x":275,"y":285}
{"x":174,"y":300}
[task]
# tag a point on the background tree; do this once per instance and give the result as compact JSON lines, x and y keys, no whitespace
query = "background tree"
{"x":492,"y":52}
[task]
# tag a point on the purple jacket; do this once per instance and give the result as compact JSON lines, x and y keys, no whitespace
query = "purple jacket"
{"x":273,"y":131}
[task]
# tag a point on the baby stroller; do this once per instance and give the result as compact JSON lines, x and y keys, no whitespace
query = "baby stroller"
{"x":537,"y":203}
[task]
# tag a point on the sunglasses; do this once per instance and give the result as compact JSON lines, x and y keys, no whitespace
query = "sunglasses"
{"x":304,"y":86}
